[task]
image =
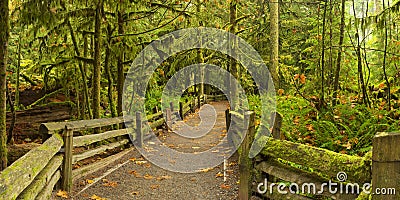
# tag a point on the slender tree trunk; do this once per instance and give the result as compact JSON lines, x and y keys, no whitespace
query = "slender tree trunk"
{"x":322,"y":95}
{"x":120,"y":66}
{"x":200,"y":58}
{"x":339,"y":55}
{"x":232,"y":62}
{"x":4,"y":34}
{"x":384,"y":62}
{"x":274,"y":34}
{"x":107,"y":68}
{"x":359,"y":62}
{"x":81,"y":69}
{"x":97,"y":61}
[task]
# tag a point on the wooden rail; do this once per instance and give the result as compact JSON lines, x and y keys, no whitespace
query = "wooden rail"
{"x":314,"y":165}
{"x":33,"y":174}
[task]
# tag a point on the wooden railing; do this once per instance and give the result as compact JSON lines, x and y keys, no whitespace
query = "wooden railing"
{"x":35,"y":175}
{"x":302,"y":164}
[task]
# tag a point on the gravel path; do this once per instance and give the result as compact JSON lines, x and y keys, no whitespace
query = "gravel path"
{"x":132,"y":177}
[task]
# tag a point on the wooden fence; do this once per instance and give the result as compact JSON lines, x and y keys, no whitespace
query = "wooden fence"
{"x":35,"y":175}
{"x":287,"y":162}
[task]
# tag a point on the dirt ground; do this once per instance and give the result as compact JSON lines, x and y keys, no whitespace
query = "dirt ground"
{"x":132,"y":177}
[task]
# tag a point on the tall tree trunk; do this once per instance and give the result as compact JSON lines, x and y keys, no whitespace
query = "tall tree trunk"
{"x":232,"y":62}
{"x":322,"y":95}
{"x":274,"y":34}
{"x":339,"y":55}
{"x":120,"y":66}
{"x":97,"y":61}
{"x":200,"y":58}
{"x":107,"y":68}
{"x":359,"y":62}
{"x":384,"y":61}
{"x":81,"y":69}
{"x":4,"y":33}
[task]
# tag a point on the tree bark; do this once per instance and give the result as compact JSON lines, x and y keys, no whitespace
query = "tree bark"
{"x":274,"y":34}
{"x":120,"y":65}
{"x":339,"y":55}
{"x":97,"y":61}
{"x":4,"y":34}
{"x":232,"y":62}
{"x":107,"y":68}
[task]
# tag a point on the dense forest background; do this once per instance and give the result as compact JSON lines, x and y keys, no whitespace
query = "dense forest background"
{"x":335,"y":66}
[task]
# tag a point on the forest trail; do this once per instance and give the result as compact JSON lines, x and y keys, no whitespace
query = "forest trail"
{"x":132,"y":177}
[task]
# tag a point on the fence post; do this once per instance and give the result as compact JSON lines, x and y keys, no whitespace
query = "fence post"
{"x":139,"y":132}
{"x":386,"y":165}
{"x":276,"y":120}
{"x":246,"y":163}
{"x":227,"y":119}
{"x":66,"y":182}
{"x":181,"y":110}
{"x":199,"y":101}
{"x":171,"y":106}
{"x":168,"y":120}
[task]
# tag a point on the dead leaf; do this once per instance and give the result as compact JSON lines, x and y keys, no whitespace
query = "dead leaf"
{"x":95,"y":197}
{"x":140,"y":162}
{"x":108,"y":183}
{"x":148,"y":165}
{"x":280,"y":92}
{"x":219,"y":174}
{"x":154,"y":186}
{"x":148,"y":177}
{"x":135,"y":173}
{"x":160,"y":178}
{"x":89,"y":181}
{"x":226,"y":187}
{"x":205,"y":169}
{"x":302,"y":79}
{"x":62,"y":193}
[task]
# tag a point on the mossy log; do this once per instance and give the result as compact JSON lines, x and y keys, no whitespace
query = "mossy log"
{"x":324,"y":161}
{"x":15,"y":178}
{"x":42,"y":179}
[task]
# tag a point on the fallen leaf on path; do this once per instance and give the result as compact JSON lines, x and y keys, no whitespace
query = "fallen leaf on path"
{"x":95,"y":197}
{"x":164,"y":177}
{"x":140,"y":162}
{"x":110,"y":183}
{"x":89,"y":181}
{"x":148,"y":177}
{"x":154,"y":186}
{"x":219,"y":174}
{"x":132,"y":159}
{"x":62,"y":193}
{"x":226,"y":187}
{"x":148,"y":165}
{"x":135,"y":173}
{"x":206,"y":169}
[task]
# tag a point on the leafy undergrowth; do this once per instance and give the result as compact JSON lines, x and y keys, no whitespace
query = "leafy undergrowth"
{"x":346,"y":128}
